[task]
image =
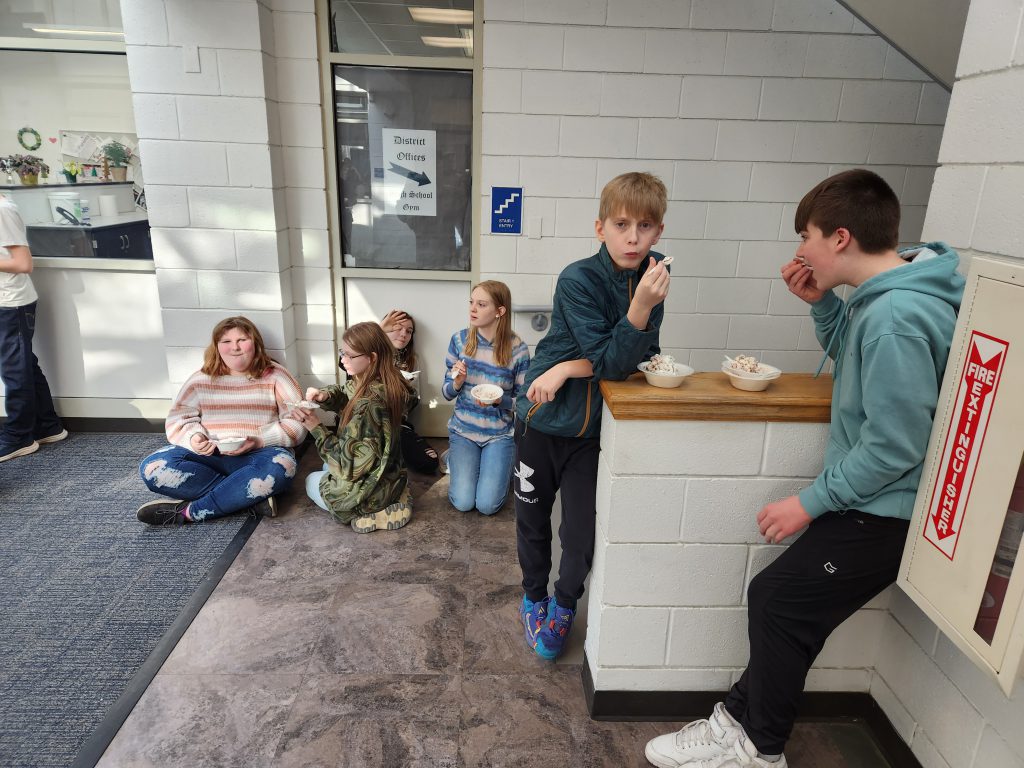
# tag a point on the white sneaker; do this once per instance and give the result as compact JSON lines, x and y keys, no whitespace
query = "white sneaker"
{"x":699,"y":741}
{"x":443,"y":463}
{"x":745,"y":755}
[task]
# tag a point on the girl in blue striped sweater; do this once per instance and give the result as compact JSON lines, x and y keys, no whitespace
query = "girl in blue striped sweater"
{"x":481,"y":450}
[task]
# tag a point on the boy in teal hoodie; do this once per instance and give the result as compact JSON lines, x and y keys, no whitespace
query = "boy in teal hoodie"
{"x":889,"y":341}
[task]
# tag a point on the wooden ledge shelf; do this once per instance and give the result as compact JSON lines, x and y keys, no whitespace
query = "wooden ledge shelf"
{"x":710,"y":397}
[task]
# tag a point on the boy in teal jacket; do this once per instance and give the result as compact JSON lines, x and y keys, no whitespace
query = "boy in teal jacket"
{"x":889,"y":340}
{"x":606,"y":316}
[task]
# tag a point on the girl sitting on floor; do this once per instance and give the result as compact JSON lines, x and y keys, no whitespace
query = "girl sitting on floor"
{"x":364,"y":482}
{"x":401,"y":329}
{"x":230,"y":432}
{"x":480,"y":446}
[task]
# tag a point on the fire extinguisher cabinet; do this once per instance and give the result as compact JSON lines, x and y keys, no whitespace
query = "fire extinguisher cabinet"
{"x":963,"y":563}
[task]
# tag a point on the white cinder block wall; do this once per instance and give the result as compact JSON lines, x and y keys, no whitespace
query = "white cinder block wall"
{"x":951,"y":713}
{"x":740,"y":106}
{"x":222,"y":117}
{"x":677,"y":544}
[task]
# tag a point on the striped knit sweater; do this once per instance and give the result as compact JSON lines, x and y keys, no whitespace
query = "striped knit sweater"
{"x":236,"y":406}
{"x":482,"y":424}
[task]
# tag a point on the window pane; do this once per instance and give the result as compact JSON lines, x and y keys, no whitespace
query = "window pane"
{"x":93,"y":20}
{"x":403,"y":27}
{"x":404,"y":148}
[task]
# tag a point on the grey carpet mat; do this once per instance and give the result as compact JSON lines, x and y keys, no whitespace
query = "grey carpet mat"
{"x":88,"y":591}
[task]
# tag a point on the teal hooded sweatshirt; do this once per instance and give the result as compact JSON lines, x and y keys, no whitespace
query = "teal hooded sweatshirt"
{"x":889,"y":341}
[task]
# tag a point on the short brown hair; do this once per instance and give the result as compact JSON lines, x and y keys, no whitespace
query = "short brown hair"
{"x":213,"y":365}
{"x":642,"y":195}
{"x":857,"y":200}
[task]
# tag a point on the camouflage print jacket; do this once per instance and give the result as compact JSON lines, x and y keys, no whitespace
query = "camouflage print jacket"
{"x":364,"y":460}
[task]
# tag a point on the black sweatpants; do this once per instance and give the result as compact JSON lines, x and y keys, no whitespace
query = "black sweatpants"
{"x":840,"y":562}
{"x":546,"y":464}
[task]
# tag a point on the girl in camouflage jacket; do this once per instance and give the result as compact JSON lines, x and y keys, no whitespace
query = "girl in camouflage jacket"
{"x":364,"y":481}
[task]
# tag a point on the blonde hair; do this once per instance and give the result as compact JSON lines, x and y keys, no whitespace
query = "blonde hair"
{"x":642,"y":195}
{"x":213,"y":364}
{"x":370,"y":339}
{"x":502,"y":341}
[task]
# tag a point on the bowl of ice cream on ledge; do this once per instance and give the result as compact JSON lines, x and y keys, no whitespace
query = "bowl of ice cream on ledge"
{"x":663,"y":371}
{"x":748,"y":373}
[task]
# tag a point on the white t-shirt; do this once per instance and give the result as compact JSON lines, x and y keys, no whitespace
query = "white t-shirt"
{"x":16,"y":289}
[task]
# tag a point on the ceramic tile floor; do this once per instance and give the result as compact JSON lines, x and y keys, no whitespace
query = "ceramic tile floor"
{"x":321,"y":647}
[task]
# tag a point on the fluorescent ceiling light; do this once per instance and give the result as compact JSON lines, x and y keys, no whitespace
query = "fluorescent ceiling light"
{"x":440,"y":15}
{"x":58,"y":29}
{"x":466,"y":41}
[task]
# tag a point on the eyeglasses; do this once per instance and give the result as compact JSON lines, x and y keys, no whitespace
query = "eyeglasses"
{"x":348,"y":356}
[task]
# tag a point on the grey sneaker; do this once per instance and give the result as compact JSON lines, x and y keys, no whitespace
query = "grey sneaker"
{"x":442,"y":462}
{"x":712,"y":740}
{"x":391,"y":518}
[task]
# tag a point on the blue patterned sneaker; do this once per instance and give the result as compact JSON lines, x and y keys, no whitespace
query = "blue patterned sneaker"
{"x":552,"y":636}
{"x":533,"y":615}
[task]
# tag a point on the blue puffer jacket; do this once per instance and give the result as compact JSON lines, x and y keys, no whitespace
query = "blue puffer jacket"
{"x":589,"y":320}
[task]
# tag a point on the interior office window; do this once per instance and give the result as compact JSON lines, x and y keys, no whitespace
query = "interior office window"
{"x":404,"y":149}
{"x":402,"y":27}
{"x":92,"y":21}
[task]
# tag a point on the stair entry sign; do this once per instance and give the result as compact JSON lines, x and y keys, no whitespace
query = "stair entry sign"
{"x":506,"y":210}
{"x":410,"y":172}
{"x":971,"y":411}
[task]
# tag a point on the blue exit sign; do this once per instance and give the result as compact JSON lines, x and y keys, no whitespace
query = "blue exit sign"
{"x":506,"y":210}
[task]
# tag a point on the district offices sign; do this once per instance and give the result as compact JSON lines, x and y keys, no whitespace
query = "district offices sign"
{"x":410,"y":172}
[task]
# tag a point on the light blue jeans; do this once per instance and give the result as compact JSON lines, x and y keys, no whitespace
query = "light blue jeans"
{"x":480,"y":474}
{"x":313,"y":488}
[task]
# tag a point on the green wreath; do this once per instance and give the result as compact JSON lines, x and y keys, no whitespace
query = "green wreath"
{"x":38,"y":140}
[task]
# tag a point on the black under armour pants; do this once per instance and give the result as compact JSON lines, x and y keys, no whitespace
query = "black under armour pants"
{"x":544,"y":465}
{"x":840,"y":562}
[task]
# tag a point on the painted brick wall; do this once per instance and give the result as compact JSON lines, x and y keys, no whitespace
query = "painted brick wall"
{"x":224,"y":94}
{"x":949,"y":711}
{"x":740,"y":107}
{"x":677,"y":545}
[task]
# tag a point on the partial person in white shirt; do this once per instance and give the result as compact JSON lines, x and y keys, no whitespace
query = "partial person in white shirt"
{"x":31,"y":418}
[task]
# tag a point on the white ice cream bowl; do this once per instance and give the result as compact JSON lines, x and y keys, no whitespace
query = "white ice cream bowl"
{"x":751,"y":382}
{"x":230,"y":443}
{"x":488,"y":394}
{"x":664,"y":379}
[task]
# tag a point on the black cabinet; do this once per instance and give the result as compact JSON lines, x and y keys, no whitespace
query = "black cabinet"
{"x":127,"y":240}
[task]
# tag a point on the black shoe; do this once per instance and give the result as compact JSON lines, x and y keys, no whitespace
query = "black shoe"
{"x":163,"y":512}
{"x":266,"y":507}
{"x":53,"y":437}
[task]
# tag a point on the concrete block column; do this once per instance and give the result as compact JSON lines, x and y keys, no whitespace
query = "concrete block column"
{"x":677,"y":545}
{"x":206,"y":79}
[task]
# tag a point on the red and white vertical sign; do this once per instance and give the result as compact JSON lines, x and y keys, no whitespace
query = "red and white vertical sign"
{"x":971,"y":413}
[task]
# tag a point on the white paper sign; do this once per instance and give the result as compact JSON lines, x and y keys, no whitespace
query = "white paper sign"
{"x":409,"y":187}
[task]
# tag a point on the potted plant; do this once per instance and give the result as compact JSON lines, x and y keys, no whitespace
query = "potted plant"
{"x":71,"y":171}
{"x":28,"y":167}
{"x":118,"y":156}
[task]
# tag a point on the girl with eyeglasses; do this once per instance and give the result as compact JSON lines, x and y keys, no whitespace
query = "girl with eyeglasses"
{"x":401,"y":329}
{"x":364,"y":482}
{"x":480,"y":445}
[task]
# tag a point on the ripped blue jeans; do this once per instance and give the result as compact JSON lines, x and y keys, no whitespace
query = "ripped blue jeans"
{"x":218,"y":485}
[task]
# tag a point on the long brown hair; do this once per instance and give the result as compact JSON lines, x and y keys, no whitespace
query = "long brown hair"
{"x":370,"y":339}
{"x":213,"y":365}
{"x":406,"y":358}
{"x":502,"y":341}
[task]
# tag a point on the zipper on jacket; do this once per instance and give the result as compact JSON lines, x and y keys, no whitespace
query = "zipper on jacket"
{"x":586,"y":417}
{"x":529,"y":415}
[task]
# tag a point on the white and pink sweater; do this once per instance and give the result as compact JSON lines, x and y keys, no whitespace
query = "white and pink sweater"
{"x":236,"y":406}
